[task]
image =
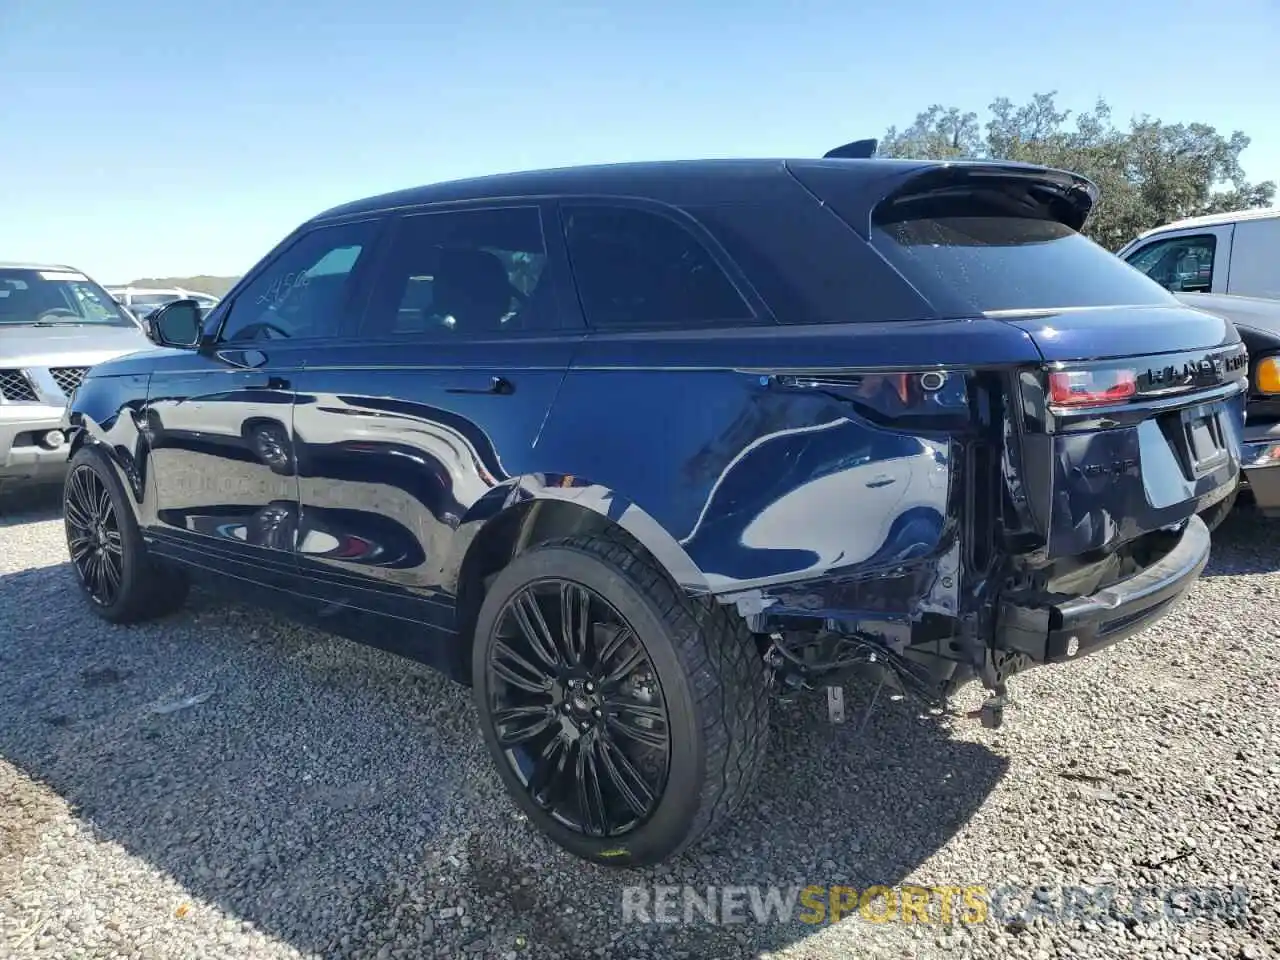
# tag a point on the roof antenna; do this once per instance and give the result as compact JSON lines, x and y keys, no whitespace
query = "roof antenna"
{"x":858,"y":150}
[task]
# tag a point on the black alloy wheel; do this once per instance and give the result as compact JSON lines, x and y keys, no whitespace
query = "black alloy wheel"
{"x":94,"y":539}
{"x":626,"y":718}
{"x":578,"y":709}
{"x":123,"y":581}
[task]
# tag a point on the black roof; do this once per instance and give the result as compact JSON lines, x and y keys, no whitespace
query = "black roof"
{"x":684,"y":183}
{"x":671,"y":181}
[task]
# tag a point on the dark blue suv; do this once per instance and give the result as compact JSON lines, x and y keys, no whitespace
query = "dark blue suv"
{"x":628,"y":448}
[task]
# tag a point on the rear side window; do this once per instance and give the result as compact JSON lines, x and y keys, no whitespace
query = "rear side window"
{"x":979,"y":260}
{"x":464,"y":275}
{"x":807,"y":264}
{"x":639,"y":270}
{"x":1183,"y":264}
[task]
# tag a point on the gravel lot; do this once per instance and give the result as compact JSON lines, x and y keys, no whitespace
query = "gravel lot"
{"x":323,"y":799}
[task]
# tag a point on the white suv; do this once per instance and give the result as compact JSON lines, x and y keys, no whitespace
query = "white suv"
{"x":142,"y":300}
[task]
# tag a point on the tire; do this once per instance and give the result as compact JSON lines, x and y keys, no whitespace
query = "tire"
{"x":143,"y":587}
{"x":1219,"y":512}
{"x":270,"y":443}
{"x":709,"y":675}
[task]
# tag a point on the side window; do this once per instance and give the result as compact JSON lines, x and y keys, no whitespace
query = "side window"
{"x":639,"y":270}
{"x":302,"y":293}
{"x":464,"y":274}
{"x":1180,"y":264}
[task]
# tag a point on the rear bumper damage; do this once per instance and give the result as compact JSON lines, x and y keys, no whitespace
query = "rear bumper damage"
{"x":995,"y":599}
{"x":932,"y":656}
{"x":1063,"y":531}
{"x":1058,"y":632}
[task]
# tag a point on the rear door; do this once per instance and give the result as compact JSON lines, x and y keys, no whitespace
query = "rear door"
{"x":435,"y":399}
{"x":221,"y":420}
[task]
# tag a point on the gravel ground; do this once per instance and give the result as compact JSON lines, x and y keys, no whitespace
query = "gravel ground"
{"x":311,"y":797}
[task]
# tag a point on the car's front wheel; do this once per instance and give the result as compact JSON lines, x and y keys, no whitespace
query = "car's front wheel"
{"x":123,"y":583}
{"x":626,"y":718}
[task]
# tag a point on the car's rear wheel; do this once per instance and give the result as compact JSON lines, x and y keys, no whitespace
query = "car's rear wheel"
{"x":626,"y":718}
{"x":123,"y":583}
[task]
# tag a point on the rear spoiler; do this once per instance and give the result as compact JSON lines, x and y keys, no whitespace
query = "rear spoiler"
{"x":889,"y":189}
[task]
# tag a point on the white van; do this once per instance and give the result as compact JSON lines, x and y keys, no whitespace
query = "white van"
{"x":1236,"y":253}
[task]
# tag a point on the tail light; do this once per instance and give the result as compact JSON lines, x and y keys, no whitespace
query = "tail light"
{"x":934,"y":396}
{"x":1091,"y":388}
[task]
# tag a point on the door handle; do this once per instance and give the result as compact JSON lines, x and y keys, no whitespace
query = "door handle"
{"x":244,"y":359}
{"x":499,"y":385}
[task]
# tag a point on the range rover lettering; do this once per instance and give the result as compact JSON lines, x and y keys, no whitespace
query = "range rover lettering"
{"x":629,"y":448}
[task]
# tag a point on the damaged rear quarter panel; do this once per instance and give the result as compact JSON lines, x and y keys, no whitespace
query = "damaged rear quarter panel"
{"x":790,"y":496}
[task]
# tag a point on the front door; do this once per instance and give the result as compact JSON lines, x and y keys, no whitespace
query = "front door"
{"x":220,"y":421}
{"x":435,"y":401}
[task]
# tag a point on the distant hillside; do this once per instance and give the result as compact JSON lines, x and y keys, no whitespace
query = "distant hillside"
{"x":216,"y":286}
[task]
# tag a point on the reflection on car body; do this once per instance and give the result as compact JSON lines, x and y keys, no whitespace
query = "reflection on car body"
{"x":341,"y":535}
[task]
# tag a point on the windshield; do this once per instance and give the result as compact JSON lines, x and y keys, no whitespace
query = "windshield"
{"x":982,"y":264}
{"x":55,"y":298}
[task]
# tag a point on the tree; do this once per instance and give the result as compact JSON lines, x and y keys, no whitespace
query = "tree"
{"x":938,"y":134}
{"x":1149,"y":174}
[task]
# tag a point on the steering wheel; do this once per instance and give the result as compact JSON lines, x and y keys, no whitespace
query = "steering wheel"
{"x":252,"y":331}
{"x":57,"y":312}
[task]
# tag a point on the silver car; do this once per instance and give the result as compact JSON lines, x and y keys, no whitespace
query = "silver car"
{"x":55,"y":323}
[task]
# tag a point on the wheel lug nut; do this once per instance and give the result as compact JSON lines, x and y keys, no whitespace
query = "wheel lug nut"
{"x":591,"y":687}
{"x":597,"y":713}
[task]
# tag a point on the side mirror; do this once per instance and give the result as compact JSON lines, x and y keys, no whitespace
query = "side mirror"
{"x":176,"y":324}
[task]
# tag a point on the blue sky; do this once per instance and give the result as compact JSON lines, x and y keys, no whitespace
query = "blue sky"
{"x":139,"y":138}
